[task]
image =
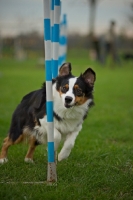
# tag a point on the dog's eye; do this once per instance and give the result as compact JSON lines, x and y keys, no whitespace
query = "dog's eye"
{"x":78,"y":92}
{"x":64,"y":89}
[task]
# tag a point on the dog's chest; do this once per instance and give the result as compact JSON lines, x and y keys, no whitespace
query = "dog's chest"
{"x":68,"y":123}
{"x":69,"y":120}
{"x":66,"y":126}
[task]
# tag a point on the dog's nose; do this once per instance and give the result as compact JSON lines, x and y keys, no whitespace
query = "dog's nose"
{"x":68,"y":99}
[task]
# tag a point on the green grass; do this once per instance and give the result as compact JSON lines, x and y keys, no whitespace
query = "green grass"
{"x":100,"y":166}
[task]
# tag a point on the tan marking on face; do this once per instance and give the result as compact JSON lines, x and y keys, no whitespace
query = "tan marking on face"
{"x":60,"y":90}
{"x":80,"y":100}
{"x":76,"y":86}
{"x":67,"y":86}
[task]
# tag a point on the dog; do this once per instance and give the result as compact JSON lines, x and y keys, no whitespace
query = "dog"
{"x":73,"y":96}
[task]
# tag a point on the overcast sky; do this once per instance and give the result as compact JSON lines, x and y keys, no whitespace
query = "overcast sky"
{"x":18,"y":16}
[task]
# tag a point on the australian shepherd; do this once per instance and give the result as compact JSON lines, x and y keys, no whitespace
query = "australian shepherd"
{"x":73,"y":96}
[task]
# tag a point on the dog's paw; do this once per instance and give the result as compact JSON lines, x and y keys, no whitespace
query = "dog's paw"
{"x":63,"y":154}
{"x":28,"y":160}
{"x":3,"y":160}
{"x":61,"y":157}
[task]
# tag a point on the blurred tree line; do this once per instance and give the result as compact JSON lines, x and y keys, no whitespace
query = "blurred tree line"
{"x":32,"y":44}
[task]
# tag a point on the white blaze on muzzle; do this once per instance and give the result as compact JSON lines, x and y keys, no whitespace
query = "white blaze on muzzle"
{"x":69,"y":98}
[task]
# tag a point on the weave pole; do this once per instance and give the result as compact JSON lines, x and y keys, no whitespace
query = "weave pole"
{"x":51,"y":170}
{"x":55,"y":36}
{"x":63,"y":40}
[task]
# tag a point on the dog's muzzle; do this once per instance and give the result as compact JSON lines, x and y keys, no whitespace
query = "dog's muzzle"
{"x":68,"y":101}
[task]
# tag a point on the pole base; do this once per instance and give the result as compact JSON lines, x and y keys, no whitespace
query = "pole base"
{"x":51,"y":174}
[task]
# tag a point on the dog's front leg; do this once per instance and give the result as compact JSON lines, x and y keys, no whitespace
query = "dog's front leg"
{"x":68,"y":145}
{"x":57,"y":139}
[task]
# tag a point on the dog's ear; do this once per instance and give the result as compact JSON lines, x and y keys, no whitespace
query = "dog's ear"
{"x":89,"y":76}
{"x":65,"y":69}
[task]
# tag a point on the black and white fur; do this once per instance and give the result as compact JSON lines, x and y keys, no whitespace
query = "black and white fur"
{"x":72,"y":100}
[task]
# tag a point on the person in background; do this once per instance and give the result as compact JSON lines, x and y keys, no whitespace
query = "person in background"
{"x":110,"y":46}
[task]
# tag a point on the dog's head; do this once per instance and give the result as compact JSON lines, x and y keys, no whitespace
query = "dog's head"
{"x":74,"y":91}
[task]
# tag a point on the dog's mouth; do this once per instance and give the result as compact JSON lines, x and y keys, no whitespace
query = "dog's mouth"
{"x":68,"y":105}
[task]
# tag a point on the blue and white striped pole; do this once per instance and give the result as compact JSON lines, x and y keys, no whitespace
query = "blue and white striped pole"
{"x":52,"y":15}
{"x":52,"y":30}
{"x":55,"y":38}
{"x":63,"y":41}
{"x":51,"y":173}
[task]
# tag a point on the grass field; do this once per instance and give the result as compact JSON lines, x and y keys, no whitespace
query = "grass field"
{"x":100,"y":166}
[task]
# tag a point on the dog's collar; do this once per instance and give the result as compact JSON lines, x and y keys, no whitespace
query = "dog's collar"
{"x":57,"y":117}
